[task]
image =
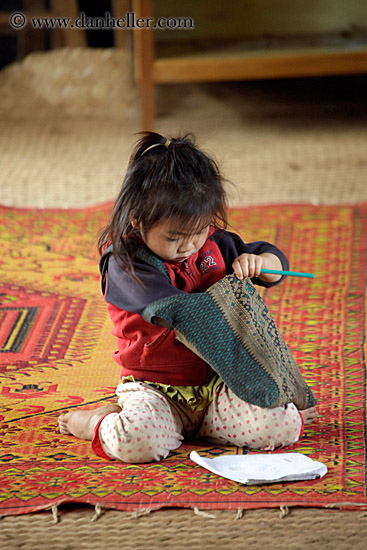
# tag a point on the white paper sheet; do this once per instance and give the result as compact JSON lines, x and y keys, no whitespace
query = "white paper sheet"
{"x":256,"y":469}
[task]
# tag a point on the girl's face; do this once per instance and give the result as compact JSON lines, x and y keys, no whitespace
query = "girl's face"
{"x":171,"y":245}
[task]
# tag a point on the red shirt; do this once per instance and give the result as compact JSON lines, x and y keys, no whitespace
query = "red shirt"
{"x":150,"y":352}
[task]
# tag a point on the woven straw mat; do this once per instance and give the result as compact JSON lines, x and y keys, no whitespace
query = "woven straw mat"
{"x":67,"y":121}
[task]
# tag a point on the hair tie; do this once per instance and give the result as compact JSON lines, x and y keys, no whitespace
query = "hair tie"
{"x":167,"y":143}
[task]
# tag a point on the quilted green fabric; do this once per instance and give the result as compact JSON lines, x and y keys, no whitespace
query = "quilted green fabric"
{"x":230,"y":327}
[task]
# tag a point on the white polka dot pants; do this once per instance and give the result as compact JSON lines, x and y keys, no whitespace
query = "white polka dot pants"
{"x":229,"y":420}
{"x":150,"y":424}
{"x":146,"y":429}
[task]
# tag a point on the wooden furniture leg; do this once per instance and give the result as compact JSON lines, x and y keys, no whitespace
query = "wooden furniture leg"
{"x":72,"y":38}
{"x":143,"y":64}
{"x":122,"y":37}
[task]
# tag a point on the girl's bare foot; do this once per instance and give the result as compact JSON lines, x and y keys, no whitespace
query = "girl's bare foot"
{"x":81,"y":423}
{"x":309,"y":415}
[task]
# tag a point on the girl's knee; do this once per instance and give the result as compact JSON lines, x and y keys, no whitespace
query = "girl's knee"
{"x":279,"y":427}
{"x":259,"y":428}
{"x":136,"y":441}
{"x":137,"y":450}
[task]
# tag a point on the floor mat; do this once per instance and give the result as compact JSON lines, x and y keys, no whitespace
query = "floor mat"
{"x":56,"y":355}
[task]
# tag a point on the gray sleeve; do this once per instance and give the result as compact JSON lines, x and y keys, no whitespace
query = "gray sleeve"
{"x":126,"y":293}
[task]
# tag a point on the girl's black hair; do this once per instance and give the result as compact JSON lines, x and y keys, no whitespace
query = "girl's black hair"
{"x":173,"y":180}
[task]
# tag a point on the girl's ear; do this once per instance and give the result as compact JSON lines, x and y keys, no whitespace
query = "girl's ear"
{"x":135,"y":223}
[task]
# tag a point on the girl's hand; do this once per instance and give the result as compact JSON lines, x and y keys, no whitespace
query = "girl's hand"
{"x":247,"y":265}
{"x":250,"y":265}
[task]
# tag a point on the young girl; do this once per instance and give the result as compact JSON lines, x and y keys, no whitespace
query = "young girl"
{"x":172,"y":206}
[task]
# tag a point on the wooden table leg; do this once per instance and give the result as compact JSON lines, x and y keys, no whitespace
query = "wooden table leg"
{"x":143,"y":64}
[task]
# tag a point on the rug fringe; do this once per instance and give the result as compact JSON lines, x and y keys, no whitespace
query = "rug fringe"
{"x":98,"y":512}
{"x":339,"y":504}
{"x":203,"y":514}
{"x":55,"y":514}
{"x":284,"y":511}
{"x":139,"y":513}
{"x":240,"y":514}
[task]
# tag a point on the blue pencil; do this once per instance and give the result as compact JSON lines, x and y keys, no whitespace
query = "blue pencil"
{"x":294,"y":273}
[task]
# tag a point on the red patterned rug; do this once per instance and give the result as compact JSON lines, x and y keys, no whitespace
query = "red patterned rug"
{"x":56,"y":344}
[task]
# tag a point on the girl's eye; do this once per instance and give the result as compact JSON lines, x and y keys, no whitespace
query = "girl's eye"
{"x":172,"y":240}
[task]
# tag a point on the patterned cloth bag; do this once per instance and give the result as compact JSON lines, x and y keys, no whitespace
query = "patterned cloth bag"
{"x":230,"y":327}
